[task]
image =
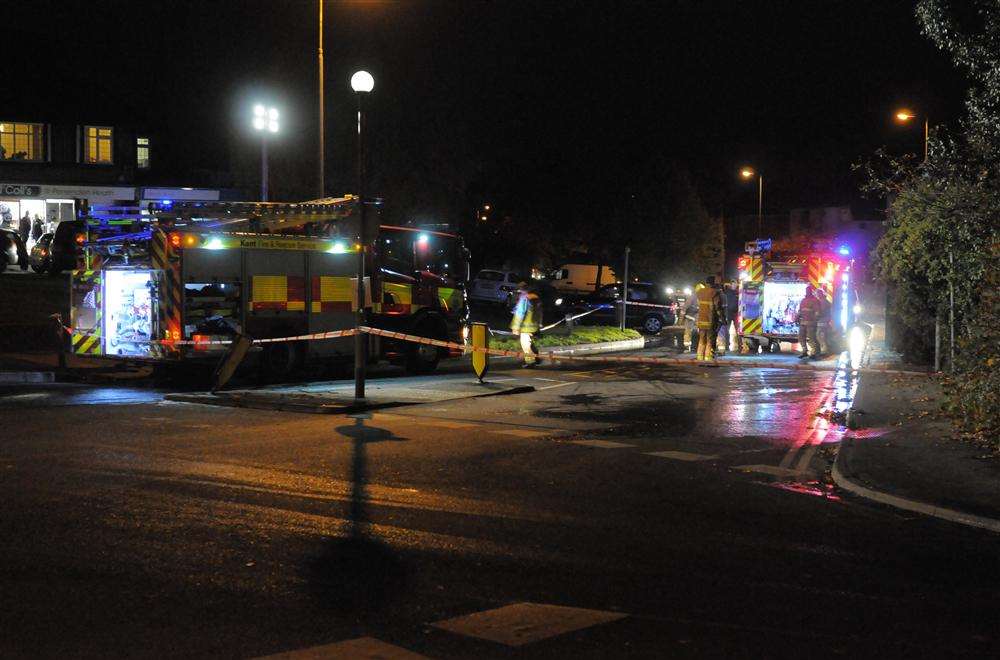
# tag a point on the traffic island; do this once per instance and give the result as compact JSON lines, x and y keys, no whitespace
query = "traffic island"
{"x":338,"y":398}
{"x":905,"y":455}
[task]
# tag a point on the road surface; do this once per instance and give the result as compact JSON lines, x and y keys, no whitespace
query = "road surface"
{"x":619,"y":512}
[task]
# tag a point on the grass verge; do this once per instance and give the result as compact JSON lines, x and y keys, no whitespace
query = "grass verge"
{"x":586,"y":335}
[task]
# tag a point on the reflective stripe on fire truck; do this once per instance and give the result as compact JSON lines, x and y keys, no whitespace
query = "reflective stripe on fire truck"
{"x":756,"y":271}
{"x":333,"y":294}
{"x":278,"y":292}
{"x":87,"y":341}
{"x":752,"y":326}
{"x":169,"y":298}
{"x":821,"y":274}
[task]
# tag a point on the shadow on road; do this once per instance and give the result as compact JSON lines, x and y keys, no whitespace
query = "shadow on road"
{"x":356,"y":573}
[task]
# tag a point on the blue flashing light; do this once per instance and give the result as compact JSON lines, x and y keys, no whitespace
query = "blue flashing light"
{"x":167,"y":202}
{"x":844,"y":250}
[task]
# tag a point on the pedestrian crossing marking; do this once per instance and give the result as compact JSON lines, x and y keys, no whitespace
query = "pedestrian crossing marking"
{"x":603,"y":444}
{"x":524,"y":623}
{"x":682,"y":455}
{"x":362,"y":648}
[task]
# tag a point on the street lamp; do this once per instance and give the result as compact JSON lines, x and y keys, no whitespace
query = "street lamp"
{"x":265,"y":121}
{"x":362,"y":83}
{"x":748,"y":173}
{"x":903,"y":116}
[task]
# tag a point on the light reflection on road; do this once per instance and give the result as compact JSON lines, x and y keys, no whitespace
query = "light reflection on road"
{"x":785,"y":407}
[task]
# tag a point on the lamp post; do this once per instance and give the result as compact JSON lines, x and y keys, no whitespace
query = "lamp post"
{"x":748,"y":173}
{"x":322,"y":135}
{"x":362,"y":83}
{"x":904,"y":116}
{"x":265,"y":121}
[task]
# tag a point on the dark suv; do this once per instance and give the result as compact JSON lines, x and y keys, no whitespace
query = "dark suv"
{"x":654,"y":310}
{"x":64,"y":246}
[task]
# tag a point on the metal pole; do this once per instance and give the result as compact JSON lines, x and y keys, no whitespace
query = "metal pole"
{"x":760,"y":206}
{"x":263,"y":167}
{"x":937,"y":343}
{"x":625,"y":290}
{"x":926,"y":134}
{"x":322,"y":147}
{"x":951,"y":312}
{"x":360,"y":340}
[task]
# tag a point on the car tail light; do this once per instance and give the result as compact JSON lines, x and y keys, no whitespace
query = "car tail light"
{"x":80,"y":238}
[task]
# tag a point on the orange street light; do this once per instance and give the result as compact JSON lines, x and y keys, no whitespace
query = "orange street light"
{"x":904,"y":116}
{"x":748,"y":173}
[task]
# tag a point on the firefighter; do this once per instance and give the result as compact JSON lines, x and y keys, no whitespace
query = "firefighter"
{"x":807,"y":317}
{"x":690,"y":323}
{"x":710,"y":313}
{"x":526,"y":321}
{"x":824,"y":331}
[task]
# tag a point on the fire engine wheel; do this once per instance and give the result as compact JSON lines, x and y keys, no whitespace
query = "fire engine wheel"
{"x":753,"y":346}
{"x":421,"y":358}
{"x":652,"y":324}
{"x":774,"y":346}
{"x":279,"y":360}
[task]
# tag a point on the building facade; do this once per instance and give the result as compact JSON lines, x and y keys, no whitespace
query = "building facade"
{"x":47,"y":170}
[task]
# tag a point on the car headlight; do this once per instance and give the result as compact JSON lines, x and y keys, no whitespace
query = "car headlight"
{"x":558,"y":301}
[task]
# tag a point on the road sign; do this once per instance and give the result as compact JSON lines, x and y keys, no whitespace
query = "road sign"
{"x":480,"y":359}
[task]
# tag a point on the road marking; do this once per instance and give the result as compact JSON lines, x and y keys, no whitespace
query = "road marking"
{"x":524,"y":623}
{"x":362,"y":648}
{"x":551,"y":380}
{"x":528,"y":433}
{"x":682,"y":455}
{"x":603,"y":444}
{"x":549,"y":387}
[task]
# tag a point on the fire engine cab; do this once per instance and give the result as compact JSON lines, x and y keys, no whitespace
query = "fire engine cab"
{"x":773,"y":282}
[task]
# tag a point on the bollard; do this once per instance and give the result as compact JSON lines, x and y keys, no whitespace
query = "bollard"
{"x":480,"y":359}
{"x":569,"y":323}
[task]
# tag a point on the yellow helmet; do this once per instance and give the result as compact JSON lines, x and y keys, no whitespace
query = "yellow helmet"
{"x":699,"y":286}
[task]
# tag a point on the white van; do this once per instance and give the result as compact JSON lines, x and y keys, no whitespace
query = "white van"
{"x":581,"y":278}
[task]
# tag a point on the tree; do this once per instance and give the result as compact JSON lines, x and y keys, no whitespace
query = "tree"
{"x":943,"y":227}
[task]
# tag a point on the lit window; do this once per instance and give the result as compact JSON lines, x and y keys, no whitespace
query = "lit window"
{"x":97,"y":144}
{"x":142,"y":153}
{"x":22,"y":141}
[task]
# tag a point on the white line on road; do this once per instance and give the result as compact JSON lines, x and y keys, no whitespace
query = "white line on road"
{"x":682,"y":455}
{"x":549,"y":387}
{"x":603,"y":444}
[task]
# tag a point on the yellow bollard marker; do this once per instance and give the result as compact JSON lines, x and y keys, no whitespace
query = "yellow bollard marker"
{"x":480,"y":359}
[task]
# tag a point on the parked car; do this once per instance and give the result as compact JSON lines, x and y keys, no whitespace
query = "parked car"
{"x":65,"y":245}
{"x":12,"y":250}
{"x":655,"y":311}
{"x":495,"y":286}
{"x":40,"y":257}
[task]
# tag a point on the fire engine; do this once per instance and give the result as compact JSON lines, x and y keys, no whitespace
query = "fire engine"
{"x":772,"y":283}
{"x":183,"y":275}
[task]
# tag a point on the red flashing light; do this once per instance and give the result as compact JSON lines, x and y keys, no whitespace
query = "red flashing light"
{"x":80,"y":238}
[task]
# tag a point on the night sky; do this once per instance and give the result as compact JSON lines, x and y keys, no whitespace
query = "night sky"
{"x":553,"y":106}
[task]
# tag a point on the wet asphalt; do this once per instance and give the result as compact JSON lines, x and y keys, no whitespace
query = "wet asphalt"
{"x":692,"y":500}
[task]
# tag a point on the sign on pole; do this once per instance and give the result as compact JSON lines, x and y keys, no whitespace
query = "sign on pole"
{"x":480,"y":359}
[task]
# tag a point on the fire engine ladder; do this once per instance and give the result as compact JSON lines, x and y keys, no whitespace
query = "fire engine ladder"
{"x":255,"y":217}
